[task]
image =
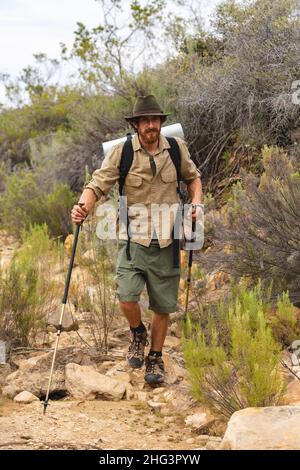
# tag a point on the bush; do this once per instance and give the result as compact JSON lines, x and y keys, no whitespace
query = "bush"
{"x":25,"y":202}
{"x":285,"y":322}
{"x":27,"y":295}
{"x":243,"y":97}
{"x":260,"y":228}
{"x":97,"y":295}
{"x":231,"y":355}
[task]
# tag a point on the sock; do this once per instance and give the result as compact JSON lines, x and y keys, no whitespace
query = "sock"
{"x":155,"y":353}
{"x":140,"y":329}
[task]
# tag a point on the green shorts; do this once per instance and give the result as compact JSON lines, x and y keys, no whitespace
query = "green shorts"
{"x":151,"y":265}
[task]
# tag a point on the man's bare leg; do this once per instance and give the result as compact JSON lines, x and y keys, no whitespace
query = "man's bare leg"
{"x":159,"y":328}
{"x":132,"y":312}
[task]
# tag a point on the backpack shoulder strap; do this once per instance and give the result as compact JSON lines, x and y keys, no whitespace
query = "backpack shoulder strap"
{"x":175,"y":155}
{"x":126,"y":161}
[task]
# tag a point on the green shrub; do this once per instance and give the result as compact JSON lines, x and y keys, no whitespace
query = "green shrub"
{"x":233,"y":359}
{"x":285,"y":322}
{"x":25,"y":202}
{"x":27,"y":296}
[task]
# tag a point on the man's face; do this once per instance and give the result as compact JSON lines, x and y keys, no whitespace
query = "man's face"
{"x":148,"y":128}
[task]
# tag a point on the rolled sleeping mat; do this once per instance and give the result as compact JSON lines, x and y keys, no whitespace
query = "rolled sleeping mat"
{"x":174,"y":130}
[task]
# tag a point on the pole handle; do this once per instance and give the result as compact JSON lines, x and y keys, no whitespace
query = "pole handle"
{"x":67,"y":285}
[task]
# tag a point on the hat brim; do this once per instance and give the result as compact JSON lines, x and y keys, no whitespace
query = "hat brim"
{"x":133,"y":118}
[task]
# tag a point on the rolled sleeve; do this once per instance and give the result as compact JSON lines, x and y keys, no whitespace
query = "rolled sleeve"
{"x":104,"y":178}
{"x":189,"y":170}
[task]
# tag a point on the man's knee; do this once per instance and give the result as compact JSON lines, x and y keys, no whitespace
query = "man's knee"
{"x":128,"y":306}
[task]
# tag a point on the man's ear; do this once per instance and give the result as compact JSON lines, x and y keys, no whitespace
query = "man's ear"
{"x":133,"y":125}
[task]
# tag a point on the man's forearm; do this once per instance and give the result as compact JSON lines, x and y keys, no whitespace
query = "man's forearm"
{"x":195,"y":191}
{"x":88,"y":198}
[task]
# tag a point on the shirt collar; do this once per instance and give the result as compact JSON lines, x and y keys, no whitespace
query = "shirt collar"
{"x":162,"y":144}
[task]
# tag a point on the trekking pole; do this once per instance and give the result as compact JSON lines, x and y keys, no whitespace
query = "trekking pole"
{"x":64,"y":301}
{"x":190,"y":262}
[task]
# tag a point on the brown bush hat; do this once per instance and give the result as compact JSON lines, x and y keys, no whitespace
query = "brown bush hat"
{"x":146,"y":106}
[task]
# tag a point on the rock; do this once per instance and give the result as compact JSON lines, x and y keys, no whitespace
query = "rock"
{"x":33,"y":373}
{"x":196,"y":421}
{"x":270,"y":428}
{"x":69,"y":322}
{"x":172,"y":342}
{"x":175,"y":330}
{"x":295,"y":360}
{"x":104,"y":366}
{"x":141,"y":396}
{"x":177,"y":401}
{"x":292,"y":395}
{"x":174,"y":373}
{"x":202,"y":438}
{"x":129,"y":391}
{"x":85,"y":382}
{"x":156,"y":405}
{"x":159,"y":390}
{"x":190,"y":440}
{"x":25,"y":397}
{"x":118,"y":371}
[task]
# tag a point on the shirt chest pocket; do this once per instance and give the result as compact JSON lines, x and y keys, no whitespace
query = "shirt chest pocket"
{"x":133,"y":186}
{"x":169,"y":175}
{"x":133,"y":180}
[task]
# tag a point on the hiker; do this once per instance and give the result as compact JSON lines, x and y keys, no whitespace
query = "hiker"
{"x":147,"y":255}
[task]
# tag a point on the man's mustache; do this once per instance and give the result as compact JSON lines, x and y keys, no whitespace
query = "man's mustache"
{"x":151,"y":130}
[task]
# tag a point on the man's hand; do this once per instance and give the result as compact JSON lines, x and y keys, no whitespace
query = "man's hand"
{"x":79,"y":213}
{"x":195,"y":211}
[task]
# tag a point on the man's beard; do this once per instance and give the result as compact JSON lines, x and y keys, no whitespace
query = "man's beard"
{"x":151,"y":135}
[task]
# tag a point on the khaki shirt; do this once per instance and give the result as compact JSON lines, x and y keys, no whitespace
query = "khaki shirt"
{"x":152,"y":201}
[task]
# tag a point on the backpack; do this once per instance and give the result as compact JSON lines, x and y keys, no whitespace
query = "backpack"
{"x":125,"y":164}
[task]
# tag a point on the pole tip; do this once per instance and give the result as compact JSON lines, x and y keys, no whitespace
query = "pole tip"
{"x":45,"y":403}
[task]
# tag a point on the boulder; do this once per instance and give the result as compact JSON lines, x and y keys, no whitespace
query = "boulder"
{"x":69,"y":322}
{"x":85,"y":382}
{"x":33,"y":374}
{"x":270,"y":428}
{"x":25,"y":397}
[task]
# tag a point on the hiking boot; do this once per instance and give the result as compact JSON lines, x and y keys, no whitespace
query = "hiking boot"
{"x":155,"y":370}
{"x":135,"y":354}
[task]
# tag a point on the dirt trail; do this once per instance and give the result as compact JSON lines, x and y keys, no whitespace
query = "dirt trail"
{"x":135,"y":423}
{"x":91,"y":425}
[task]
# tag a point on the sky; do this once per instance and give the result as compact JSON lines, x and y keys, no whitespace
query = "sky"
{"x":32,"y":26}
